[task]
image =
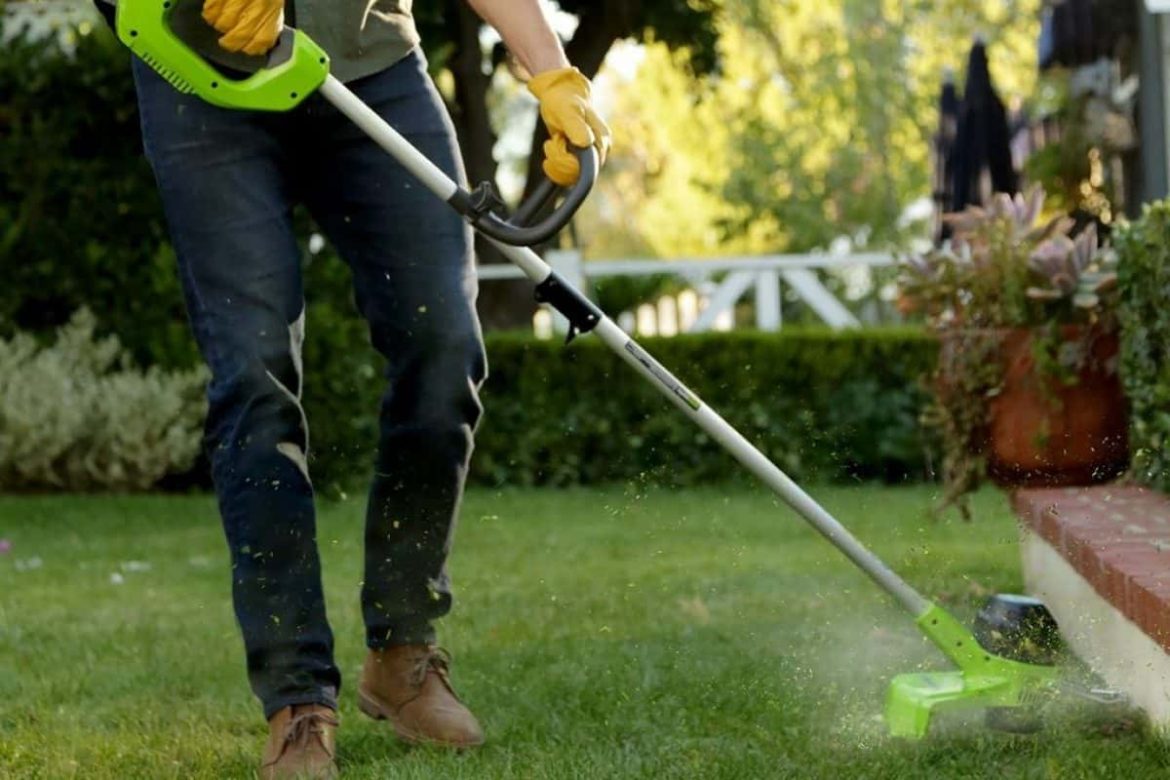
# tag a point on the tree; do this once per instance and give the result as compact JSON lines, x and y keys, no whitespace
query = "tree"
{"x":452,"y":38}
{"x":817,"y":127}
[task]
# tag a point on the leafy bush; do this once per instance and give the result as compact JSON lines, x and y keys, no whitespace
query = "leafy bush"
{"x":77,"y":416}
{"x":616,"y":294}
{"x":830,"y":406}
{"x":826,"y":405}
{"x":822,"y":405}
{"x":80,"y":222}
{"x":1143,"y":249}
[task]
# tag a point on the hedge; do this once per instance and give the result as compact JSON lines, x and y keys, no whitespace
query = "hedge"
{"x":1144,"y":276}
{"x":824,"y":405}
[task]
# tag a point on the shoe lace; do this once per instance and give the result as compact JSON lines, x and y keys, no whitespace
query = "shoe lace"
{"x":435,"y":659}
{"x":305,"y":726}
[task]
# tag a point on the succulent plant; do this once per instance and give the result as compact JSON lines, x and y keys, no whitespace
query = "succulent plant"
{"x":1018,"y":212}
{"x":1073,"y":270}
{"x":1004,"y":268}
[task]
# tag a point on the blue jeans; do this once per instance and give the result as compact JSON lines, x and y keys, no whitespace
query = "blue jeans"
{"x":228,"y":182}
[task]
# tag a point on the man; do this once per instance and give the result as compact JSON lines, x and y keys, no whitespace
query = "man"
{"x":228,"y":181}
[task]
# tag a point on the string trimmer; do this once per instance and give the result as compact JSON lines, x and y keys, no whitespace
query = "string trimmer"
{"x":997,"y":673}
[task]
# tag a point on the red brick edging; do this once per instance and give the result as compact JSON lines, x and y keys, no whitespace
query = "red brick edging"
{"x":1117,"y":537}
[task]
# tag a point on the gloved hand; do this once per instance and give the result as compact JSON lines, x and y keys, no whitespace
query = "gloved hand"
{"x":569,"y":115}
{"x":248,"y":26}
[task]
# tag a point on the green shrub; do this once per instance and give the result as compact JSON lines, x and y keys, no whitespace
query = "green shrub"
{"x":80,"y":222}
{"x":822,"y":405}
{"x":828,"y":406}
{"x":616,"y":294}
{"x":1144,"y":276}
{"x":76,"y":415}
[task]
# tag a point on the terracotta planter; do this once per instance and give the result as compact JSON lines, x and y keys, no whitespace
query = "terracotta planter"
{"x":1044,"y":432}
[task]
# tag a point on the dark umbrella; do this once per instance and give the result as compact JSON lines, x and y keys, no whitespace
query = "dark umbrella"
{"x":1068,"y":35}
{"x":981,"y":164}
{"x":943,"y":151}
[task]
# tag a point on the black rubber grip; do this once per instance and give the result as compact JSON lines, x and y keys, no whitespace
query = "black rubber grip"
{"x":513,"y":231}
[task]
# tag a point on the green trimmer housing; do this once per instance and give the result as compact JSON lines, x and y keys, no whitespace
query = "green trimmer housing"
{"x":297,"y":67}
{"x":292,"y":71}
{"x":983,"y":680}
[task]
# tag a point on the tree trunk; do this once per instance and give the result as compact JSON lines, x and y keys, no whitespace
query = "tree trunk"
{"x":470,"y":112}
{"x":502,"y":305}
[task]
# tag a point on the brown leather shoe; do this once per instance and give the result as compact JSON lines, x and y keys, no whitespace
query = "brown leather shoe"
{"x":409,"y":686}
{"x":300,"y":744}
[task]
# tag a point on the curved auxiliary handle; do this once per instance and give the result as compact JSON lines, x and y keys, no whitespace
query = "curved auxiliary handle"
{"x":483,"y":206}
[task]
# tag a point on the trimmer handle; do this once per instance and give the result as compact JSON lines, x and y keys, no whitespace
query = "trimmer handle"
{"x":292,"y":71}
{"x":483,"y":205}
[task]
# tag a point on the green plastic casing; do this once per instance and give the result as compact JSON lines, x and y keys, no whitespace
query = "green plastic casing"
{"x":299,"y":66}
{"x":982,"y":680}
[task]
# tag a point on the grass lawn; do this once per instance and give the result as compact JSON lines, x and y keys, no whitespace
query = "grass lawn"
{"x":599,"y":633}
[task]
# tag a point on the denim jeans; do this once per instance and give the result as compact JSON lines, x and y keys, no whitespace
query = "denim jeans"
{"x":229,"y":181}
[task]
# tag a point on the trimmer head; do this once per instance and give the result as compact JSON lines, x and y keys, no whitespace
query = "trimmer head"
{"x":1019,"y":628}
{"x":983,"y":680}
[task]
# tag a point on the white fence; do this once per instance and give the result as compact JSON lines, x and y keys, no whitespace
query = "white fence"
{"x":708,"y":305}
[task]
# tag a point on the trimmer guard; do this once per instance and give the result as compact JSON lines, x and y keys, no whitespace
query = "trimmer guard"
{"x":982,"y":680}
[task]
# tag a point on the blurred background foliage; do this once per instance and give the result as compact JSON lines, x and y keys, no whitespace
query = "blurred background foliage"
{"x":814,"y":128}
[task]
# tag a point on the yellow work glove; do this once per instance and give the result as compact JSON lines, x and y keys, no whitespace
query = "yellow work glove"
{"x":568,"y":113}
{"x":248,"y":26}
